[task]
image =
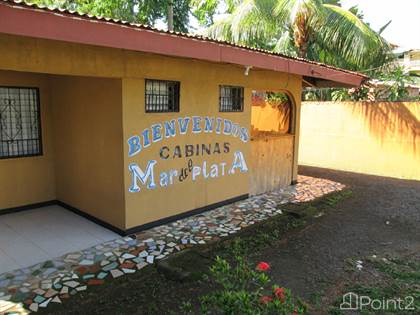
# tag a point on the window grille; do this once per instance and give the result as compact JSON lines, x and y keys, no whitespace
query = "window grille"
{"x":162,"y":96}
{"x":231,"y":99}
{"x":20,"y":128}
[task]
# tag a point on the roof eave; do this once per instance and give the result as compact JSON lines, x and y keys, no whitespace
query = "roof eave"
{"x":22,"y":20}
{"x":323,"y":83}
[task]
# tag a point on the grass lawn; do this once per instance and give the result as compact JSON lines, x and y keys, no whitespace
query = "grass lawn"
{"x":177,"y":285}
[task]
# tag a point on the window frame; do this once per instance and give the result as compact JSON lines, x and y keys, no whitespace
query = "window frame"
{"x":241,"y":98}
{"x":177,"y":96}
{"x":38,"y":116}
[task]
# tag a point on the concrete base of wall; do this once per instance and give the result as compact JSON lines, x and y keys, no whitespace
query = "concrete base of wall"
{"x":116,"y":229}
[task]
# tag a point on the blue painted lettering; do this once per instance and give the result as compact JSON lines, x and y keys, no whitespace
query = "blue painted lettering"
{"x":208,"y":124}
{"x":156,"y":132}
{"x":238,"y":162}
{"x":183,"y":125}
{"x":144,"y":177}
{"x":170,"y":130}
{"x":146,"y":137}
{"x":134,"y":145}
{"x":228,"y":127}
{"x":196,"y":124}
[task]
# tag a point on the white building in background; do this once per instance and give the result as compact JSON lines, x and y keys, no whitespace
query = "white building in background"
{"x":410,"y":60}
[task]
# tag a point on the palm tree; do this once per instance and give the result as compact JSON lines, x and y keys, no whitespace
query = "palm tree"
{"x":311,"y":29}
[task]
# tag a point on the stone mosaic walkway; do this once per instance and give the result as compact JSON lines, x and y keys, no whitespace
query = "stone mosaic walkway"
{"x":56,"y":280}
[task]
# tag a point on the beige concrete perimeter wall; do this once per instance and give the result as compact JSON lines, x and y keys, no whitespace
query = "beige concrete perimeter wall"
{"x":29,"y":180}
{"x":89,"y":145}
{"x":371,"y":138}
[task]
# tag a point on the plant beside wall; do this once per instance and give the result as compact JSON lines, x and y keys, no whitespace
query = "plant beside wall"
{"x":245,"y":290}
{"x":389,"y":84}
{"x":396,"y":84}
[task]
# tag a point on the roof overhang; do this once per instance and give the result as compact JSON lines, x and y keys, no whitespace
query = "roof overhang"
{"x":323,"y":83}
{"x":24,"y":20}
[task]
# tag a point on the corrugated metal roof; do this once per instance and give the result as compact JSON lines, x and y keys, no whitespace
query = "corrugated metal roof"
{"x":192,"y":37}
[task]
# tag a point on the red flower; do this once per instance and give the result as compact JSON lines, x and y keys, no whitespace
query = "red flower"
{"x":279,"y":293}
{"x":263,"y":266}
{"x":265,"y":299}
{"x":295,"y":313}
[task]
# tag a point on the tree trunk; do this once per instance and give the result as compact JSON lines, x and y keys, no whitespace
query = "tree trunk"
{"x":301,"y":35}
{"x":170,"y":15}
{"x":303,"y":48}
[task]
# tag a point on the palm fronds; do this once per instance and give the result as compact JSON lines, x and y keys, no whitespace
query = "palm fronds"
{"x":305,"y":28}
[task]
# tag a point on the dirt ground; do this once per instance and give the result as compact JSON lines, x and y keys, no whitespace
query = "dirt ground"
{"x":381,"y":218}
{"x":313,"y":256}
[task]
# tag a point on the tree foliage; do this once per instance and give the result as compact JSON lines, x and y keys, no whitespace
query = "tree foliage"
{"x":204,"y":10}
{"x":396,"y":80}
{"x":313,"y":29}
{"x":319,"y":30}
{"x":389,"y":84}
{"x":134,"y":11}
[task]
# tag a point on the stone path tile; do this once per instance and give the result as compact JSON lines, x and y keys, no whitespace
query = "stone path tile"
{"x":56,"y":280}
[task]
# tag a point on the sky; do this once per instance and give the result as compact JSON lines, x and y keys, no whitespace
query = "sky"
{"x":404,"y":29}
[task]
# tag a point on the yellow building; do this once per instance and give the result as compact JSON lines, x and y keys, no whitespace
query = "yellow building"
{"x":133,"y":127}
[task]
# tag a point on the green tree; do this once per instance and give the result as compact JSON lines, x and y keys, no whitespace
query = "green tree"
{"x":312,"y":29}
{"x":134,"y":11}
{"x":204,"y":10}
{"x":395,"y":81}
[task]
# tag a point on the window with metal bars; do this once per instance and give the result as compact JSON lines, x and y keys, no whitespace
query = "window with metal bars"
{"x":20,"y":126}
{"x":231,"y":99}
{"x":162,"y":96}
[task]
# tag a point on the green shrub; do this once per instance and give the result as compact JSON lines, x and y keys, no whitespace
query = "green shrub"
{"x":243,"y":290}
